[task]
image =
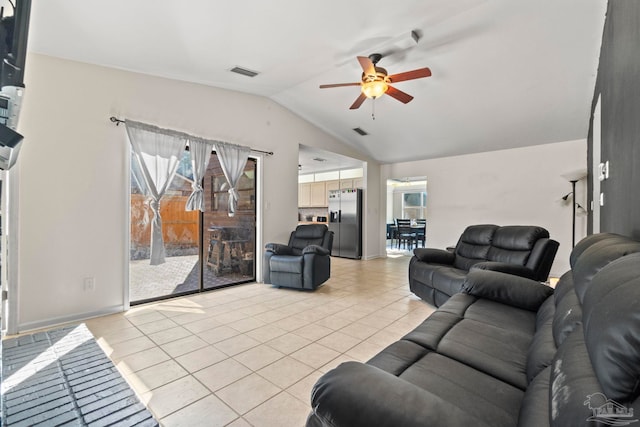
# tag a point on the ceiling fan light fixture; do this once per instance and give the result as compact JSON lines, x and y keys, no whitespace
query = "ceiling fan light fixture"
{"x":374,"y":88}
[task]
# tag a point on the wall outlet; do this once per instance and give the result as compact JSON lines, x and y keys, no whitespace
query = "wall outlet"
{"x":89,"y":284}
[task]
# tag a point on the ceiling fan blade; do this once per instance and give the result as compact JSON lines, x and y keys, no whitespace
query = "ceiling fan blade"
{"x":410,"y":75}
{"x":399,"y":95}
{"x":339,"y":85}
{"x":358,"y":102}
{"x":367,"y":66}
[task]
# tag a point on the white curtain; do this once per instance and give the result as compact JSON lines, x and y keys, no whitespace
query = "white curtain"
{"x":200,"y":150}
{"x":233,"y":159}
{"x":157,"y":153}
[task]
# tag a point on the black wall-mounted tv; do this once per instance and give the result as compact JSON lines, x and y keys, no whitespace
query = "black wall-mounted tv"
{"x":14,"y":32}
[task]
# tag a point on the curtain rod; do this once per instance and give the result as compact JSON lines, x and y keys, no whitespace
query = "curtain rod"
{"x":117,"y":121}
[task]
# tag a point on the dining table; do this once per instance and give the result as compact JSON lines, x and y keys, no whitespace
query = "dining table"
{"x":393,"y":232}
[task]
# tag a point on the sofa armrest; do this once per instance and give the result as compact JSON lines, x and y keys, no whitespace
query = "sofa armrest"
{"x":315,"y":249}
{"x":278,"y":249}
{"x":503,"y":267}
{"x":436,"y":256}
{"x":507,"y":289}
{"x":355,"y":394}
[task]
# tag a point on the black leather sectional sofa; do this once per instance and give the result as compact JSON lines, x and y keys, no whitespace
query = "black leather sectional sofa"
{"x":508,"y":351}
{"x":523,"y":250}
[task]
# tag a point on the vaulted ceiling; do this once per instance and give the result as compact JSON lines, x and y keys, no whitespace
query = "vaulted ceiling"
{"x":505,"y":73}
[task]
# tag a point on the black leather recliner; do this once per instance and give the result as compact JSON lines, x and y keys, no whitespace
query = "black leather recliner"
{"x":304,"y":263}
{"x":521,"y":250}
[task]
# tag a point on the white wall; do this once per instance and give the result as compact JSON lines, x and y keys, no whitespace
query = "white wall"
{"x":372,"y":233}
{"x":73,"y":174}
{"x":519,"y":186}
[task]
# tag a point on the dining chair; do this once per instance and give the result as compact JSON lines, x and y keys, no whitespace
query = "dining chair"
{"x":391,"y":232}
{"x":420,"y":229}
{"x":405,"y":233}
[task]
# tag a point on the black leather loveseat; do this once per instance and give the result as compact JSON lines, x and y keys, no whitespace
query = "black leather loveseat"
{"x":527,"y":251}
{"x":508,"y":351}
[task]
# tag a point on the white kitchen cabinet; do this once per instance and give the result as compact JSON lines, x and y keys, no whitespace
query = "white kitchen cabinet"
{"x":318,"y":194}
{"x":304,"y":195}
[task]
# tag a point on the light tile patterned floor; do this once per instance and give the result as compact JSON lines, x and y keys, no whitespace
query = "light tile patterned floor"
{"x":249,"y":355}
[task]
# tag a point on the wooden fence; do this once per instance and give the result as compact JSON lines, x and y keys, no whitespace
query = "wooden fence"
{"x":179,"y":227}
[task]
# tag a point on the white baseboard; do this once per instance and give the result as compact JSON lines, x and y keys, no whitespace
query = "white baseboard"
{"x":57,"y":321}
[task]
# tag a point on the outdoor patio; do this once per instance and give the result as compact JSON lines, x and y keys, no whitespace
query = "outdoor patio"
{"x":177,"y":275}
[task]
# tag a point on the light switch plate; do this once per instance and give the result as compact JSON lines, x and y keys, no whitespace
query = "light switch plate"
{"x":603,"y":171}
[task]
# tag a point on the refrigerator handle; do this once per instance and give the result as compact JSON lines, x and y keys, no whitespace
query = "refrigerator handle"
{"x":340,"y":215}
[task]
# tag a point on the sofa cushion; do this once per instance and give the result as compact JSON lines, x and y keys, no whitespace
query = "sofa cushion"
{"x":398,"y":356}
{"x":513,"y":244}
{"x":518,"y":237}
{"x":543,"y":347}
{"x":473,"y":245}
{"x":488,"y":336}
{"x":585,"y":243}
{"x":568,"y":312}
{"x":429,"y":333}
{"x":286,"y":264}
{"x":466,"y":387}
{"x":452,"y":381}
{"x":500,"y":352}
{"x":611,"y":318}
{"x":534,"y":411}
{"x":505,"y":267}
{"x":463,"y":306}
{"x":357,"y":394}
{"x":447,"y":280}
{"x":498,"y":314}
{"x":597,"y":256}
{"x":306,"y":235}
{"x":505,"y":288}
{"x":572,"y":380}
{"x":434,"y":256}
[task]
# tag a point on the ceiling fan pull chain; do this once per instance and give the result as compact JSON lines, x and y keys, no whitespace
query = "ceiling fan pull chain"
{"x":373,"y":109}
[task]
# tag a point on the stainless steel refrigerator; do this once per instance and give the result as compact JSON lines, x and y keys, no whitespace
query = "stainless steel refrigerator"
{"x":345,"y":220}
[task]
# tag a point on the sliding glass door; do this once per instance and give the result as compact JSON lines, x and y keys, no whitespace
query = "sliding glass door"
{"x":204,"y":250}
{"x":228,"y":242}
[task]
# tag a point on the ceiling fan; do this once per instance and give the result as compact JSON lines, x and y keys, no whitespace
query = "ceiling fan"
{"x":376,"y":82}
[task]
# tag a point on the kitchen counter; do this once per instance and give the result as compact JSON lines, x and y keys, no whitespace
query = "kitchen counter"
{"x":312,"y":222}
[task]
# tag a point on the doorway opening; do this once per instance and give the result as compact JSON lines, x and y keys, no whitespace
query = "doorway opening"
{"x":204,"y":250}
{"x":406,"y":200}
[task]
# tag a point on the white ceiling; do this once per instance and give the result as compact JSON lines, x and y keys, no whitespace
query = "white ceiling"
{"x":314,"y":160}
{"x":505,"y":73}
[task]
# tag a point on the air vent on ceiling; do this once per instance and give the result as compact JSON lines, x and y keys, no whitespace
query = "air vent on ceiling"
{"x":360,"y":131}
{"x":243,"y":71}
{"x":319,"y":159}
